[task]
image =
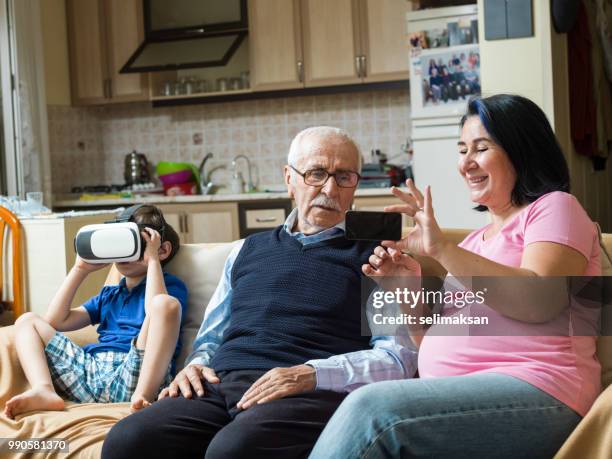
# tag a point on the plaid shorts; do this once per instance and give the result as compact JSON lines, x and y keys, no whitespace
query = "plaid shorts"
{"x":103,"y":377}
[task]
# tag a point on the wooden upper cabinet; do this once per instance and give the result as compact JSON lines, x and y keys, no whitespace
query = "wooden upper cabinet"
{"x":86,"y":37}
{"x":102,"y":34}
{"x":384,"y":41}
{"x":275,"y":44}
{"x":331,"y":42}
{"x":125,"y":28}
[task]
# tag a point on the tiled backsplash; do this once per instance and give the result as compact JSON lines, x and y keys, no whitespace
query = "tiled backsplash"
{"x":88,"y":144}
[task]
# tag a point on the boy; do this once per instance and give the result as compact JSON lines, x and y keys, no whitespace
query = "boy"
{"x":139,"y":327}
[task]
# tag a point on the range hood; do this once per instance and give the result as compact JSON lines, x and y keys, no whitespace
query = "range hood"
{"x":185,"y":34}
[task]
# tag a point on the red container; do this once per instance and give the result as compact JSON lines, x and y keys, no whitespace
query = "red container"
{"x":181,"y":189}
{"x":177,"y":177}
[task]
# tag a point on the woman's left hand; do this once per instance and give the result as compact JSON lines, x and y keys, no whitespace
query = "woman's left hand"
{"x":426,"y":237}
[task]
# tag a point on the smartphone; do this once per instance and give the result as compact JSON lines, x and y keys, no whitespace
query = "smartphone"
{"x":373,"y":226}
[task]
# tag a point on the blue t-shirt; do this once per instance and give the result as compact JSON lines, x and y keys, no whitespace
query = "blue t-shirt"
{"x":121,"y":313}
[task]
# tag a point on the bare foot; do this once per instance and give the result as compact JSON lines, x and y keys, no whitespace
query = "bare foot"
{"x":139,"y":402}
{"x":32,"y":400}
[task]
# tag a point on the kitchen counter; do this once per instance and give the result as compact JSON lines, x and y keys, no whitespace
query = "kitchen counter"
{"x":73,"y":201}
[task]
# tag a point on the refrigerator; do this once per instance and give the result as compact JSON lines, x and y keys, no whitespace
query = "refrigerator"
{"x":444,"y":73}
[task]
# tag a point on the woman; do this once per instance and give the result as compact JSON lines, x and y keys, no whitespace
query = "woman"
{"x":487,"y":396}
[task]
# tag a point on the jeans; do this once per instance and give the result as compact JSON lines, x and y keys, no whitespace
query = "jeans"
{"x":483,"y":415}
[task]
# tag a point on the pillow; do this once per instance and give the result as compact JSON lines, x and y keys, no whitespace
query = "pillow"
{"x":200,"y":266}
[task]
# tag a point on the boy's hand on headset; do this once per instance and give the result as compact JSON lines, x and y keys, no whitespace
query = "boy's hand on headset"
{"x":153,"y":240}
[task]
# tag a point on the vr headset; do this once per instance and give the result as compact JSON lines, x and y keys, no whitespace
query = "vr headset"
{"x":117,"y":240}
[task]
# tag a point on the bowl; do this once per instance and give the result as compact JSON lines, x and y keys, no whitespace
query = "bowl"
{"x":169,"y":167}
{"x":175,"y":178}
{"x":181,"y":189}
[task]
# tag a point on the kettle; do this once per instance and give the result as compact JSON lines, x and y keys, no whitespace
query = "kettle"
{"x":136,"y":169}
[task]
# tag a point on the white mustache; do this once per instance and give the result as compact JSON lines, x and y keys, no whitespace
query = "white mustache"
{"x":324,"y":201}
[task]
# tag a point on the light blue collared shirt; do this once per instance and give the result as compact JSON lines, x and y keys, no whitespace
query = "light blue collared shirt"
{"x":391,"y":357}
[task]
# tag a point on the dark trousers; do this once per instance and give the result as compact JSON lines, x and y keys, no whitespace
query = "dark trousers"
{"x":210,"y":426}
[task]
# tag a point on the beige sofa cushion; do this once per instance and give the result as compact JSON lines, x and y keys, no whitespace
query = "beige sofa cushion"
{"x":200,"y":266}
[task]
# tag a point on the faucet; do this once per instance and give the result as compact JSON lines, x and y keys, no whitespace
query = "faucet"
{"x":206,"y":185}
{"x":250,"y":186}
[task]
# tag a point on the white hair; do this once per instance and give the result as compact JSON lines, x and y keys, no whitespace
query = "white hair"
{"x":322,"y":133}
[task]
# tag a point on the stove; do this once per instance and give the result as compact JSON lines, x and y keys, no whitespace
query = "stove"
{"x":137,"y":189}
{"x":98,"y":188}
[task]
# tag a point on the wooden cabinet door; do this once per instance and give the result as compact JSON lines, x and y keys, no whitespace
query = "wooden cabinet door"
{"x":275,"y":45}
{"x":175,"y":217}
{"x":125,"y":32}
{"x":384,"y":39}
{"x":215,"y":222}
{"x":86,"y":38}
{"x":331,"y":42}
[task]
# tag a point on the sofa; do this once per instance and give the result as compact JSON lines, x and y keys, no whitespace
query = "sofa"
{"x":85,"y":425}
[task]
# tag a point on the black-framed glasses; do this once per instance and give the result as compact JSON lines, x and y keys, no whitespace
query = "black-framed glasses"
{"x":319,"y":177}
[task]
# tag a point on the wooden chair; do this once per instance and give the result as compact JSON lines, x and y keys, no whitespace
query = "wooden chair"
{"x":8,"y":218}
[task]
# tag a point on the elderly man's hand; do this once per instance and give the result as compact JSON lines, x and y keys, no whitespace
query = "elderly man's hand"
{"x":189,"y":379}
{"x":279,"y":383}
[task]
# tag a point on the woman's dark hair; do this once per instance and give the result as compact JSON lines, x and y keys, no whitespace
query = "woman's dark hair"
{"x":151,"y":216}
{"x":521,"y":128}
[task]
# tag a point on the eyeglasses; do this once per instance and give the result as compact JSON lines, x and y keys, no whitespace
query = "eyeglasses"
{"x":319,"y":177}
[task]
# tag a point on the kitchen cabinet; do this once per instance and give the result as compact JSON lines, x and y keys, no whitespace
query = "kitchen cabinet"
{"x":174,"y":217}
{"x":384,"y":44}
{"x":275,"y":44}
{"x":102,"y":34}
{"x":199,"y":223}
{"x":263,"y":215}
{"x":331,"y":44}
{"x":312,"y":43}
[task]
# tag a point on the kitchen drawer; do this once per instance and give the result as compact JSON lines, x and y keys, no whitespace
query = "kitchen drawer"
{"x":262,"y":215}
{"x":264,"y":218}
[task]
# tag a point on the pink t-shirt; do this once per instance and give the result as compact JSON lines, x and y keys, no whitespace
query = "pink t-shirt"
{"x":564,"y":367}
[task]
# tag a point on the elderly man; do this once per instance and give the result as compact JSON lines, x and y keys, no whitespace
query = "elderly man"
{"x":280,"y":345}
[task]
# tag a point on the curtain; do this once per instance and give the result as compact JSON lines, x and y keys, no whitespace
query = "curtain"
{"x":33,"y":135}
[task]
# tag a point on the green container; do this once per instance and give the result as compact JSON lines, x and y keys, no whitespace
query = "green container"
{"x":168,"y":167}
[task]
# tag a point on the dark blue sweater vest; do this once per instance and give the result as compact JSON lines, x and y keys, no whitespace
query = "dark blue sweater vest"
{"x":291,"y":303}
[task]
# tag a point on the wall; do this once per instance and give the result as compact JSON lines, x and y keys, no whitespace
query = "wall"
{"x":536,"y":67}
{"x":55,"y":51}
{"x":88,"y":144}
{"x":520,"y":65}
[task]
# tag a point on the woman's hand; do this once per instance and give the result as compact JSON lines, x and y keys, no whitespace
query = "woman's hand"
{"x":425,"y":238}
